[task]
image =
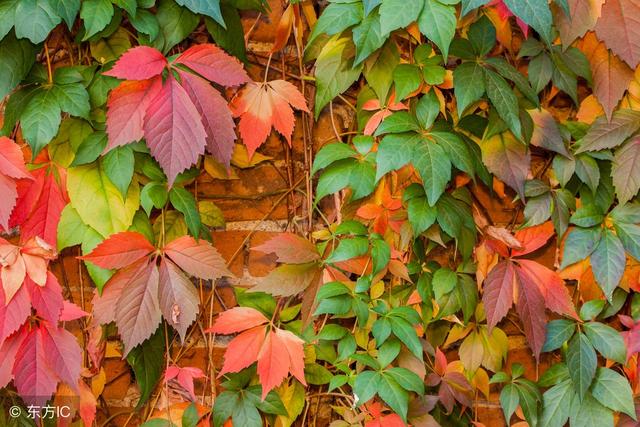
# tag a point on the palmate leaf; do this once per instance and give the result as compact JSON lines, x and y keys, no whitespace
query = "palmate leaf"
{"x":176,"y":120}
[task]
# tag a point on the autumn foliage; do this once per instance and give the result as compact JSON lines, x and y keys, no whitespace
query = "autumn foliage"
{"x":462,"y":217}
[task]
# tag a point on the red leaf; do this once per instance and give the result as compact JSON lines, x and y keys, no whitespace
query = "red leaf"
{"x":127,"y":106}
{"x":551,"y":286}
{"x":281,"y":353}
{"x":64,"y":355}
{"x":178,"y":298}
{"x":9,"y":196}
{"x":262,"y":106}
{"x":618,"y":28}
{"x":137,"y":310}
{"x":43,"y":220}
{"x":88,"y":404}
{"x":214,"y":64}
{"x":104,"y":306}
{"x":185,"y":377}
{"x":216,"y":116}
{"x":70,"y":312}
{"x":530,"y":308}
{"x":498,"y":292}
{"x":197,"y":258}
{"x":12,"y":160}
{"x":243,"y":350}
{"x":8,"y":349}
{"x":237,"y":319}
{"x":46,"y":300}
{"x":33,"y":378}
{"x":173,"y":129}
{"x":28,"y":195}
{"x":533,"y":238}
{"x":120,"y":250}
{"x":290,"y":249}
{"x":138,"y":63}
{"x":14,"y":313}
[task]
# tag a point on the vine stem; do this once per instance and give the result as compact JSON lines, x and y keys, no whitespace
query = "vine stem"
{"x":46,"y":52}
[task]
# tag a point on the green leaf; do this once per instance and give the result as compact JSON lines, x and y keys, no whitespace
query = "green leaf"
{"x":405,"y":333}
{"x":613,"y":391}
{"x":366,"y":385}
{"x":348,"y":249}
{"x":210,"y":8}
{"x":444,"y":281}
{"x":107,"y":213}
{"x":378,"y":69}
{"x":406,"y":78}
{"x":582,"y":362}
{"x":146,"y":22}
{"x":607,"y":341}
{"x":421,"y":215}
{"x":175,"y":22}
{"x":501,"y":96}
{"x":587,"y":216}
{"x":231,"y":38}
{"x":34,"y":19}
{"x":331,"y":153}
{"x":147,"y":362}
{"x":17,"y":58}
{"x":96,"y":15}
{"x":396,"y":14}
{"x":556,"y":405}
{"x":438,"y":23}
{"x":184,"y":202}
{"x":336,"y":18}
{"x":469,"y":5}
{"x":605,"y":134}
{"x":71,"y":229}
{"x":457,"y":150}
{"x":625,"y":170}
{"x":40,"y":120}
{"x":130,"y":6}
{"x":73,"y":99}
{"x":432,"y":163}
{"x":335,"y":70}
{"x":398,"y":122}
{"x":393,"y":395}
{"x":509,"y":400}
{"x":468,"y":84}
{"x":368,"y":37}
{"x":540,"y":72}
{"x":118,"y":165}
{"x":406,"y":379}
{"x":579,"y":244}
{"x":428,"y":109}
{"x":190,"y":416}
{"x":558,"y":332}
{"x":394,"y":152}
{"x":608,"y":261}
{"x":629,"y":235}
{"x":90,"y":148}
{"x":317,"y":374}
{"x":536,"y":14}
{"x":588,"y":412}
{"x":508,"y":71}
{"x":482,"y":36}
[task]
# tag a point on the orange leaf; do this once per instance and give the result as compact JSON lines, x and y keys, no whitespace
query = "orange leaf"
{"x":533,"y":238}
{"x":237,"y":319}
{"x":119,"y":250}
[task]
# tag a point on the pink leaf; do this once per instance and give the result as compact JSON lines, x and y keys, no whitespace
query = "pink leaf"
{"x":43,"y":220}
{"x":14,"y":313}
{"x":551,"y":286}
{"x":33,"y":378}
{"x":64,"y":355}
{"x":216,"y":117}
{"x":290,"y":249}
{"x":137,"y":311}
{"x":498,"y":292}
{"x":178,"y":297}
{"x":88,"y":404}
{"x":104,"y":306}
{"x":197,"y":258}
{"x":8,"y":349}
{"x":12,"y":160}
{"x":214,"y":64}
{"x":120,"y":250}
{"x":138,"y":63}
{"x":243,"y":350}
{"x":9,"y":196}
{"x":237,"y":319}
{"x":47,"y":300}
{"x":173,"y":129}
{"x":70,"y":312}
{"x":185,"y":377}
{"x":127,"y":106}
